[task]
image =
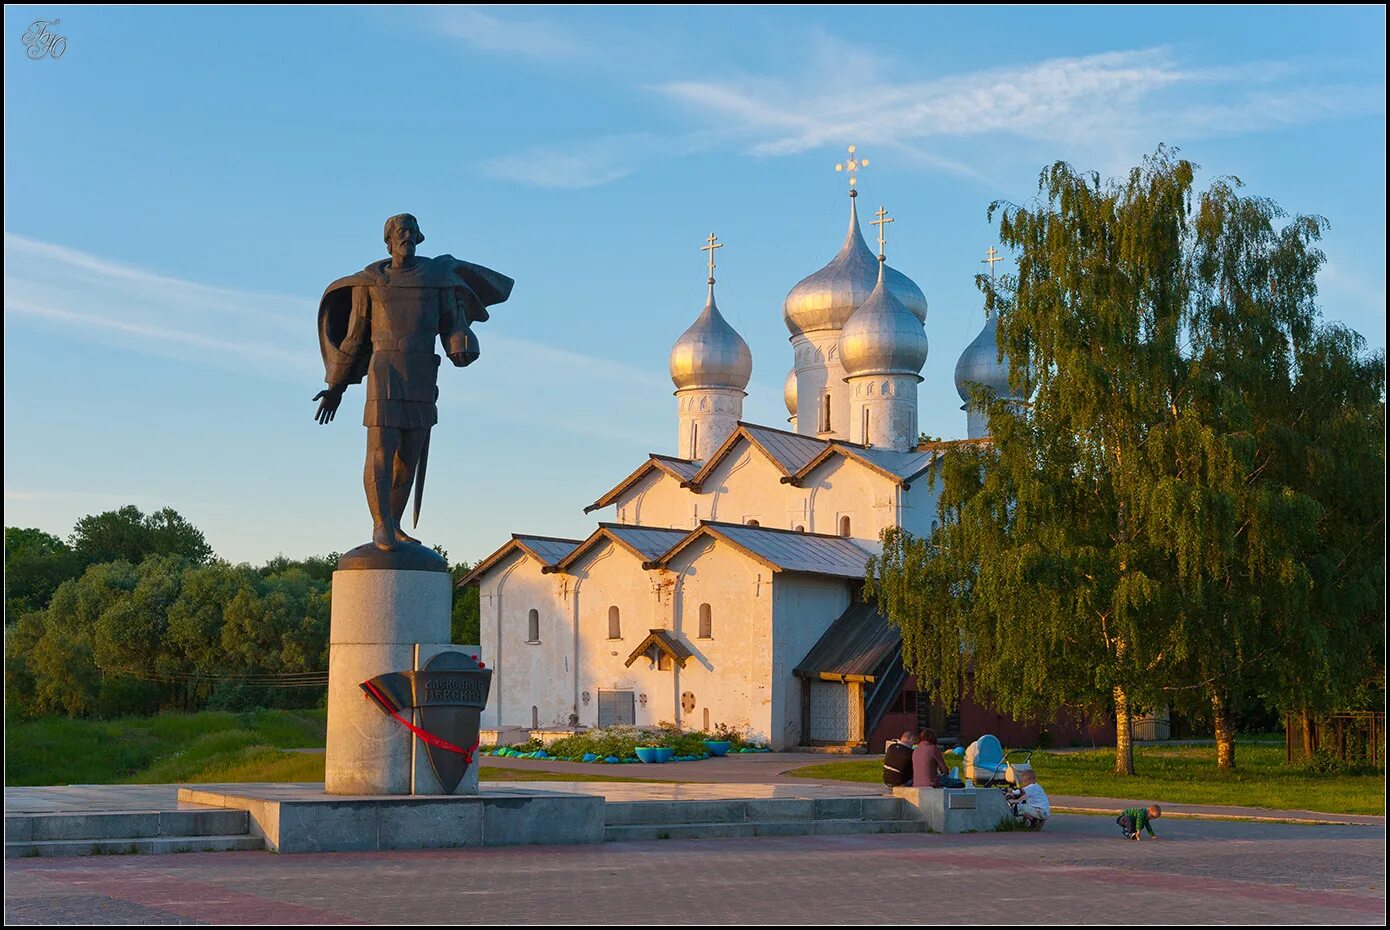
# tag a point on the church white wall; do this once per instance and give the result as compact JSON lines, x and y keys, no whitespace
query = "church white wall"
{"x":612,"y":576}
{"x":526,"y":674}
{"x":920,"y":516}
{"x":887,"y":406}
{"x":819,"y":372}
{"x":747,"y":486}
{"x":729,"y":672}
{"x":840,"y":488}
{"x":804,"y":606}
{"x":706,"y":417}
{"x":657,"y":500}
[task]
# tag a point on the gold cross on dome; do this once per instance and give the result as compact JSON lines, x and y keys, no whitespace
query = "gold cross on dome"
{"x":991,"y":257}
{"x":710,"y":247}
{"x":883,"y":220}
{"x":852,"y":165}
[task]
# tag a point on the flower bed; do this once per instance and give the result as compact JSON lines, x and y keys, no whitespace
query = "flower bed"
{"x":618,"y":745}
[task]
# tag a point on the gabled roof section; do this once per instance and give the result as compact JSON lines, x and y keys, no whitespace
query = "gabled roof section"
{"x":547,"y":550}
{"x":680,"y":469}
{"x":661,"y":641}
{"x":788,"y":451}
{"x":780,"y":550}
{"x":899,"y":467}
{"x":645,"y":542}
{"x":859,"y":646}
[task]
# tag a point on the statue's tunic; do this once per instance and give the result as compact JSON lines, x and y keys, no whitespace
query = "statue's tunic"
{"x":382,"y":323}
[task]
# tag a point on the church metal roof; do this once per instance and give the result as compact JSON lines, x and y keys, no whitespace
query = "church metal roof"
{"x":680,"y":469}
{"x":859,"y":646}
{"x":548,"y":550}
{"x":645,"y":542}
{"x":781,"y":550}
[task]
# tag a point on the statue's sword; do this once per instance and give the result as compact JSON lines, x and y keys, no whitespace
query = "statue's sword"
{"x":420,"y":476}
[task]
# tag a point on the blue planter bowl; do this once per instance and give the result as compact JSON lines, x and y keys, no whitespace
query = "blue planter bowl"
{"x":664,"y":753}
{"x":647,"y":754}
{"x":717,"y":747}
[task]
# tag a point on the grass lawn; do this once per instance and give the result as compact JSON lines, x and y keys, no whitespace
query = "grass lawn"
{"x":1178,"y":775}
{"x":152,"y":750}
{"x":206,"y":747}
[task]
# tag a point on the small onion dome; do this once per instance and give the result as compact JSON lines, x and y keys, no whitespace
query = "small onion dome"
{"x":883,"y":337}
{"x":827,"y":299}
{"x":980,"y":364}
{"x":711,"y":354}
{"x":789,"y":392}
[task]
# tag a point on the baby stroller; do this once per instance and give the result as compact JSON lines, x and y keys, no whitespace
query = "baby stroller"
{"x":988,"y":765}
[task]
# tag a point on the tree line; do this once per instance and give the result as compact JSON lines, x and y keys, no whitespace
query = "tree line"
{"x":1188,"y":510}
{"x":134,"y":613}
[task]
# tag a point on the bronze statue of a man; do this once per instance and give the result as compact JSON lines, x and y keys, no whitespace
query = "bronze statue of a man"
{"x":381,"y":323}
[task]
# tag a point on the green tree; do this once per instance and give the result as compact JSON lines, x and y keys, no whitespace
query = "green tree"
{"x":35,"y":564}
{"x":1038,"y":575}
{"x":465,"y":625}
{"x":129,"y":535}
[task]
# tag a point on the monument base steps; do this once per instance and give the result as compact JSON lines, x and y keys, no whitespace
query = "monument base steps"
{"x":114,"y":832}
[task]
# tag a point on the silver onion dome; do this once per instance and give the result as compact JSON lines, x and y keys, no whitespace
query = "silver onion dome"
{"x":980,"y":364}
{"x":711,"y":353}
{"x":789,"y":392}
{"x":883,"y":337}
{"x":827,"y":298}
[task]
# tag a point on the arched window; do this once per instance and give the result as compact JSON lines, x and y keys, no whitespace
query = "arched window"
{"x":751,"y":522}
{"x":615,"y":627}
{"x":866,"y":426}
{"x":694,"y":438}
{"x":706,"y":719}
{"x":706,"y":622}
{"x":535,"y":717}
{"x":533,"y":626}
{"x":825,"y":414}
{"x":799,"y":528}
{"x":844,"y":526}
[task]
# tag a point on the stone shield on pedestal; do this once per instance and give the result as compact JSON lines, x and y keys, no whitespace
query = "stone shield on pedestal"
{"x":448,"y":693}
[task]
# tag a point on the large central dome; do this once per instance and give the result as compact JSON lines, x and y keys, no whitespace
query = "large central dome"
{"x":826,"y":299}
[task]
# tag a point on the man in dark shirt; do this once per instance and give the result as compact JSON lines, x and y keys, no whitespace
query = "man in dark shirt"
{"x":897,"y":762}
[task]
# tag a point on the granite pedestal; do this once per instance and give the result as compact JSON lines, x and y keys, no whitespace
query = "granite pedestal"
{"x":379,"y":619}
{"x":956,"y":810}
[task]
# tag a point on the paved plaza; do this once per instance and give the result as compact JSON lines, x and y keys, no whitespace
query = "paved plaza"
{"x":1076,"y":870}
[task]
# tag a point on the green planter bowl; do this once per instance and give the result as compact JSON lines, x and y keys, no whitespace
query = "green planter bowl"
{"x":717,"y":747}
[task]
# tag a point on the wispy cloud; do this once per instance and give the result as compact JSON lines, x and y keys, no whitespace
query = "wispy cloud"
{"x":1089,"y":100}
{"x":532,"y":38}
{"x":573,"y":165}
{"x":135,"y":310}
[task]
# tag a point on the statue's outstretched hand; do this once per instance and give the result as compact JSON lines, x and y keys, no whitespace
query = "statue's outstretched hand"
{"x":328,"y":404}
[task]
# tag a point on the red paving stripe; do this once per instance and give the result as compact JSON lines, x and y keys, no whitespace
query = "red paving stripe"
{"x":196,"y":900}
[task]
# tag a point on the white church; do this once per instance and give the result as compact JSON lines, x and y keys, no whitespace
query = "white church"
{"x":722,"y":584}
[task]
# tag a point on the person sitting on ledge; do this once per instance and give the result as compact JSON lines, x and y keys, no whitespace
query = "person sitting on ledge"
{"x":897,"y":762}
{"x":928,"y":766}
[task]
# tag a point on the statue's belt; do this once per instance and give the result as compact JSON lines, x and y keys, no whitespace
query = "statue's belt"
{"x":397,"y":691}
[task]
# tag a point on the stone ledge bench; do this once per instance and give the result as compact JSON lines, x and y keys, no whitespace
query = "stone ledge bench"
{"x":955,"y":810}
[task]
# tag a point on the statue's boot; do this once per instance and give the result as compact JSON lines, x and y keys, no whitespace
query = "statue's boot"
{"x":384,"y":537}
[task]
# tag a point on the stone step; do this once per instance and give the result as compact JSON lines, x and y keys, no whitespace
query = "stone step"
{"x":752,"y":810}
{"x":146,"y":845}
{"x":701,"y":831}
{"x":102,"y":825}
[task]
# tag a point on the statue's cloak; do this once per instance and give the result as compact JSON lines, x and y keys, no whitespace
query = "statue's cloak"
{"x":476,"y":287}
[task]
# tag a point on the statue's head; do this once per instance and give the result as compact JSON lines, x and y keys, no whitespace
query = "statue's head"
{"x":403,"y":235}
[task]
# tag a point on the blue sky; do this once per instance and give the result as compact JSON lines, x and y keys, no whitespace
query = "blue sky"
{"x":182,"y":183}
